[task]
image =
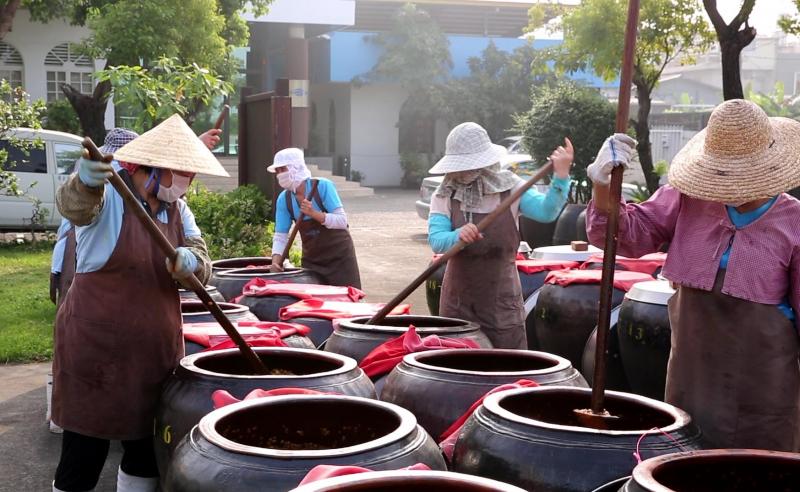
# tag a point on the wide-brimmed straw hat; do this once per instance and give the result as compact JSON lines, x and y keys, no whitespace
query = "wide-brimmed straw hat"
{"x":742,"y":155}
{"x":172,"y":145}
{"x":468,"y":147}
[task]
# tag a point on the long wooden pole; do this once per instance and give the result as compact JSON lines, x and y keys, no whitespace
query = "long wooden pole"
{"x":459,"y":246}
{"x":221,"y":118}
{"x":612,"y":227}
{"x":166,"y":247}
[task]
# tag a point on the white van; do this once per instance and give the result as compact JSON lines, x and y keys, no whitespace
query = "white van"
{"x":48,"y":167}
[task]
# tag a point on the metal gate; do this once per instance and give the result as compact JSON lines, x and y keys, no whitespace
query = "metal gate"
{"x":265,"y":127}
{"x":666,"y":141}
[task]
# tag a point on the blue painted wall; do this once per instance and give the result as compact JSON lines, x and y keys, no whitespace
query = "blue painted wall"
{"x":351,"y":55}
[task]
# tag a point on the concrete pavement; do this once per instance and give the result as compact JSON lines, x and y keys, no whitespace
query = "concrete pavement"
{"x":392,"y":250}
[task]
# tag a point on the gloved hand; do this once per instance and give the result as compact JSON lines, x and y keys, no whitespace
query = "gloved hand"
{"x":94,"y":173}
{"x":617,"y":150}
{"x":185,"y":264}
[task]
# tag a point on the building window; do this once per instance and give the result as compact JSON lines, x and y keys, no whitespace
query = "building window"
{"x":11,"y":66}
{"x":67,"y":64}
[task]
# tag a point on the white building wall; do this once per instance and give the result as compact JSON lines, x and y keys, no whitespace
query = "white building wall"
{"x":34,"y":40}
{"x":374,"y":136}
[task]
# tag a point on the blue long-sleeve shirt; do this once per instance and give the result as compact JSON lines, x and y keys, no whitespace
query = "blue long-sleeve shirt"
{"x":541,"y":207}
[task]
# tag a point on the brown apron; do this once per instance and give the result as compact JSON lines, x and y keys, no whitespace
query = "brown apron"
{"x":734,"y":367}
{"x":118,"y":337}
{"x":68,"y":266}
{"x":481,"y":283}
{"x":327,"y":252}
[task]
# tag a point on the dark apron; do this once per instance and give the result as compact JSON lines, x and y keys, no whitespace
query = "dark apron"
{"x":118,"y":337}
{"x":734,"y":367}
{"x":481,"y":283}
{"x":327,"y":252}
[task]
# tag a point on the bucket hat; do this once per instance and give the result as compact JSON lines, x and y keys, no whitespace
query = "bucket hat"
{"x":742,"y":155}
{"x":468,"y":147}
{"x":116,"y":138}
{"x":171,"y":145}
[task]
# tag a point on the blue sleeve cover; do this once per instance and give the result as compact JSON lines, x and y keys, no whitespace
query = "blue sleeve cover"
{"x":545,"y":207}
{"x":282,"y":220}
{"x":441,"y":235}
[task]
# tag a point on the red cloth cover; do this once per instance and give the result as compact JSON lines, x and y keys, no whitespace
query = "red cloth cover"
{"x":319,"y":308}
{"x":386,"y":356}
{"x":222,"y":398}
{"x":256,"y":333}
{"x":646,"y":264}
{"x":535,"y":266}
{"x":259,"y":287}
{"x":321,"y":472}
{"x":623,"y":280}
{"x":450,"y":436}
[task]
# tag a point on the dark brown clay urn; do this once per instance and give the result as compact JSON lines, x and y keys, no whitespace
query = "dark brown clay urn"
{"x":186,"y":397}
{"x":355,"y":338}
{"x":188,"y":295}
{"x":717,"y":470}
{"x":197,"y":312}
{"x":231,"y":281}
{"x":404,"y":480}
{"x":272,"y":443}
{"x":531,"y":438}
{"x":439,"y":386}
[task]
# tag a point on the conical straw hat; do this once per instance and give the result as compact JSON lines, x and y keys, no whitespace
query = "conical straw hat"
{"x":742,"y":155}
{"x":171,"y":145}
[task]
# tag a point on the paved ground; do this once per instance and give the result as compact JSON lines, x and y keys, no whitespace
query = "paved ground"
{"x":391,"y":246}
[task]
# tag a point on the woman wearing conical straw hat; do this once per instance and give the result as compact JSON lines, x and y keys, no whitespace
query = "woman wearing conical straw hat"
{"x":118,"y":333}
{"x":734,"y":252}
{"x":481,"y":283}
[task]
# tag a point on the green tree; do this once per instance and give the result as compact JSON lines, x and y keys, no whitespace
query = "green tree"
{"x":130,"y":31}
{"x":776,"y":103}
{"x":168,"y":88}
{"x":733,"y":37}
{"x":567,"y":109}
{"x":415,"y":54}
{"x":498,"y":86}
{"x":16,"y":110}
{"x":668,"y":30}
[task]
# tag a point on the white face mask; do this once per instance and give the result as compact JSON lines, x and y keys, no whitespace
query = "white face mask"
{"x":285,"y":180}
{"x":179,"y":186}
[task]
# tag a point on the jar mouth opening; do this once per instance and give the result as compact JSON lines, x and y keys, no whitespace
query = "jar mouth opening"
{"x":553,"y":407}
{"x":197,"y":307}
{"x":281,"y":362}
{"x":401,"y":323}
{"x":494,"y":361}
{"x":307,"y":426}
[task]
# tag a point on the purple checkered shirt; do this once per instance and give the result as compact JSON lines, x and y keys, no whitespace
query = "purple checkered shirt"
{"x":764,"y":263}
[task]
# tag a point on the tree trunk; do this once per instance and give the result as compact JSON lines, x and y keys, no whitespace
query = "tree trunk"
{"x":91,"y":110}
{"x":642,"y":127}
{"x":731,"y":49}
{"x":7,"y":13}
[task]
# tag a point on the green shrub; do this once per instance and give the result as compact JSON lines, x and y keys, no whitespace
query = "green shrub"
{"x":567,"y":109}
{"x":60,"y":116}
{"x":234,"y":223}
{"x":415,"y":168}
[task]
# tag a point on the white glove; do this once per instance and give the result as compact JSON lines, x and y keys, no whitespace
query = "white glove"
{"x":185,"y":264}
{"x":617,"y":150}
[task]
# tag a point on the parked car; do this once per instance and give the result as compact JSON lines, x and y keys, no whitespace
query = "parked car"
{"x":513,"y":144}
{"x":48,"y":166}
{"x":521,"y":164}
